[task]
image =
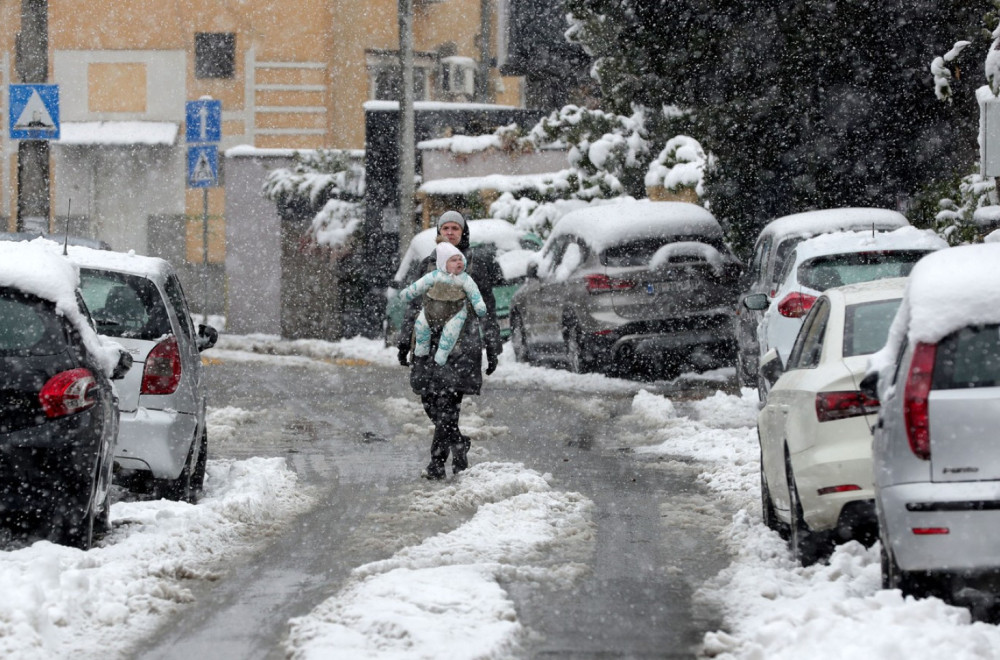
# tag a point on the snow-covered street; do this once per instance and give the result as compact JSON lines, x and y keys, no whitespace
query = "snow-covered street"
{"x":514,"y":526}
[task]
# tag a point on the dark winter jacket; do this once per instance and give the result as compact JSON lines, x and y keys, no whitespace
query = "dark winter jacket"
{"x":463,"y":372}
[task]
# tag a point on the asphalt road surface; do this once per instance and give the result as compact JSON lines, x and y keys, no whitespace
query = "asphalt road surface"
{"x":330,"y":424}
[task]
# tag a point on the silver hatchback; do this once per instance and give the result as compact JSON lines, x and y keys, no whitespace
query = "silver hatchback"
{"x":936,"y":456}
{"x":138,"y":302}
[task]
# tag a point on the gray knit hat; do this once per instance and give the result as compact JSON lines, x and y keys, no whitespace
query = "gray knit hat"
{"x":451,"y":216}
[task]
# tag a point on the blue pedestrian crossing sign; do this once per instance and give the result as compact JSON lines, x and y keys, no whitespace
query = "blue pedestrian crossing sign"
{"x":203,"y":120}
{"x":34,"y":112}
{"x":203,"y":166}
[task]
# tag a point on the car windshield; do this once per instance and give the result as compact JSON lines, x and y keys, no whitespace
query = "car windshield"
{"x":968,"y":358}
{"x":866,"y":326}
{"x":822,"y":273}
{"x":124,"y":305}
{"x":639,"y":252}
{"x":29,"y":326}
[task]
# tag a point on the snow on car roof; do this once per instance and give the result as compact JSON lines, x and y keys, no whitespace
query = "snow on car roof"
{"x":613,"y":224}
{"x":890,"y":287}
{"x":811,"y":223}
{"x":500,"y":233}
{"x":35,"y":268}
{"x":904,"y":238}
{"x":122,"y":262}
{"x":947,"y":290}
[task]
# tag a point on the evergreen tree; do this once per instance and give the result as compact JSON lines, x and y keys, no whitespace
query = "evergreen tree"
{"x":804,"y":104}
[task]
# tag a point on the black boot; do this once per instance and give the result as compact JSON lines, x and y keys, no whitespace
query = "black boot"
{"x":439,"y":456}
{"x":460,"y":454}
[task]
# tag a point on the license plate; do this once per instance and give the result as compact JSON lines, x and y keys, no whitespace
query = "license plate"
{"x":667,"y":288}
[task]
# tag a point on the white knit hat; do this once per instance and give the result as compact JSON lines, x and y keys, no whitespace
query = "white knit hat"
{"x":444,"y":252}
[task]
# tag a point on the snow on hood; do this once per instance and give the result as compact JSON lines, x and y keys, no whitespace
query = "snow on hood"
{"x":904,"y":238}
{"x":947,"y":290}
{"x":604,"y":226}
{"x":811,"y":223}
{"x":35,"y":268}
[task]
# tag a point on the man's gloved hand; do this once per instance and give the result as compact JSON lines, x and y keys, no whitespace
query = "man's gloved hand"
{"x":491,"y":362}
{"x":404,"y":354}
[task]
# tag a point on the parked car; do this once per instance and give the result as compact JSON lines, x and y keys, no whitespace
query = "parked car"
{"x":512,"y":247}
{"x":815,"y":429}
{"x":58,"y":409}
{"x":935,"y":458}
{"x":138,"y":301}
{"x":770,"y":253}
{"x":637,"y":284}
{"x":819,"y":263}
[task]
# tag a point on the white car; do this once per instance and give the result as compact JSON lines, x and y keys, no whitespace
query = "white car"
{"x":831,"y":260}
{"x":138,"y":302}
{"x":936,"y":466}
{"x":815,"y":429}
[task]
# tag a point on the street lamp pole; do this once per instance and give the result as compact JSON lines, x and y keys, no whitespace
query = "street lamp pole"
{"x":407,"y":147}
{"x":32,"y":65}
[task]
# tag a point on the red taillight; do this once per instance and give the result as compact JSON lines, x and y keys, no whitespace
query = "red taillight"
{"x":600,"y":283}
{"x":915,"y":395}
{"x":842,"y":405}
{"x":67,"y":393}
{"x":162,"y":372}
{"x":844,"y":488}
{"x":930,"y":531}
{"x":795,"y":305}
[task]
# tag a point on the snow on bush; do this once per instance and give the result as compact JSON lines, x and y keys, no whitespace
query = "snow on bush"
{"x":680,"y":165}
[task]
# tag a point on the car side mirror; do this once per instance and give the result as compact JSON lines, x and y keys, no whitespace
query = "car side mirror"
{"x":869,"y":385}
{"x":771,"y":367}
{"x":123,"y":365}
{"x":532,"y":271}
{"x":756,"y":302}
{"x":207,"y":336}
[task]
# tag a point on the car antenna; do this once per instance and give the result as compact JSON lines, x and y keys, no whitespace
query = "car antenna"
{"x":873,"y":230}
{"x":69,"y":210}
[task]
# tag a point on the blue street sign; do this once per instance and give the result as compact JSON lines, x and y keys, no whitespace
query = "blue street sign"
{"x":203,"y":120}
{"x":34,"y":112}
{"x":203,"y":166}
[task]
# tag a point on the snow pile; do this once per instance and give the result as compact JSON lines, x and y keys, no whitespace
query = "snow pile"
{"x":774,"y":608}
{"x":518,"y":374}
{"x":62,"y":602}
{"x":410,"y":605}
{"x":354,"y":350}
{"x":223,"y":422}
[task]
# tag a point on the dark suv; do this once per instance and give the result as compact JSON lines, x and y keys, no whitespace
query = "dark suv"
{"x":636,"y":285}
{"x":58,"y":410}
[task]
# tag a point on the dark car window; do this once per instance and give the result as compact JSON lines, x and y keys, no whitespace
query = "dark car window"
{"x":29,"y":326}
{"x":176,"y":297}
{"x":808,"y":345}
{"x":639,"y":252}
{"x":968,"y":358}
{"x":760,"y":259}
{"x":822,"y":273}
{"x":124,"y":305}
{"x":781,"y":253}
{"x":866,"y":326}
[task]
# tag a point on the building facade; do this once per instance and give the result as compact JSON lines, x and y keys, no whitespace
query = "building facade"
{"x":289,"y":76}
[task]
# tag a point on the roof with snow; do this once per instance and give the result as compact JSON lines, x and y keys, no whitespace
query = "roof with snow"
{"x":602,"y":226}
{"x":811,"y":223}
{"x":118,"y":133}
{"x":121,"y":262}
{"x":904,"y":238}
{"x":499,"y":182}
{"x":429,"y":106}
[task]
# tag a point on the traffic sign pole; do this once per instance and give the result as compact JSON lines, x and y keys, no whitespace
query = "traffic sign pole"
{"x":203,"y":129}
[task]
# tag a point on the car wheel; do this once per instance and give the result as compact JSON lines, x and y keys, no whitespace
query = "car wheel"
{"x":768,"y":514}
{"x":179,"y":489}
{"x":198,"y":476}
{"x":576,"y":357}
{"x":517,"y":339}
{"x":807,"y":546}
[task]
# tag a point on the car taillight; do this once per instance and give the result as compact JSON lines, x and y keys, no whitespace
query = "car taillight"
{"x":915,"y":396}
{"x":162,"y":372}
{"x":68,"y":392}
{"x":795,"y":305}
{"x":600,"y":283}
{"x":841,"y":405}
